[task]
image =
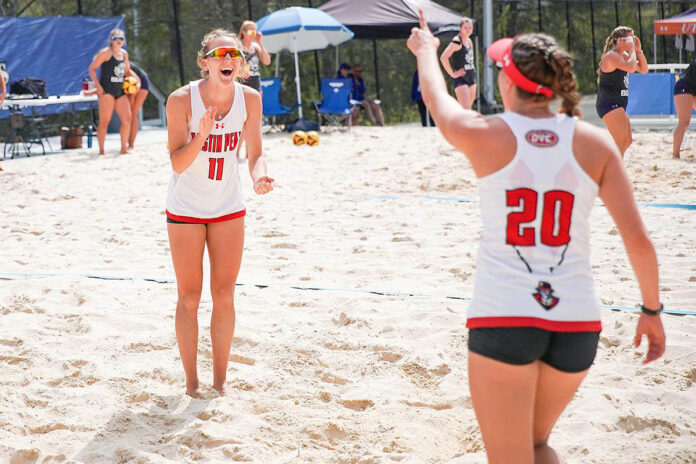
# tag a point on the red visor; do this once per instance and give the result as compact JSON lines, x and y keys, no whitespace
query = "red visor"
{"x":500,"y":51}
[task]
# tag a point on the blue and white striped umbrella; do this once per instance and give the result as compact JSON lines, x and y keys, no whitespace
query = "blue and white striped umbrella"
{"x":298,"y":29}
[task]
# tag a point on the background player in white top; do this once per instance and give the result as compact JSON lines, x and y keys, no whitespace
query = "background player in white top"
{"x":517,"y":402}
{"x":220,"y":63}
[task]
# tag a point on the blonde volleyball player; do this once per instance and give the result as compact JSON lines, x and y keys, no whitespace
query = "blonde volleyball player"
{"x":458,"y":61}
{"x":207,"y":119}
{"x":622,"y":55}
{"x":534,"y":320}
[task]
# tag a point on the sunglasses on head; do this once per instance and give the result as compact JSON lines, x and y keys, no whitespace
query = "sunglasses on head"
{"x":118,"y":37}
{"x":220,"y":52}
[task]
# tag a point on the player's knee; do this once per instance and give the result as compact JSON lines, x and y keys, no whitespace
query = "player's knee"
{"x":189,"y":300}
{"x":223,"y":295}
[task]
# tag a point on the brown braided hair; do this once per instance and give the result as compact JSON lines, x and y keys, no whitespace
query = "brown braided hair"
{"x":540,"y":58}
{"x":616,"y":34}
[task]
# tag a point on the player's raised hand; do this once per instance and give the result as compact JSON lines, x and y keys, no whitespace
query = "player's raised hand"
{"x":421,"y":36}
{"x":638,"y":45}
{"x":207,"y":121}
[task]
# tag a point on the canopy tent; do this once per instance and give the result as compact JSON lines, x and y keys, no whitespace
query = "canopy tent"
{"x":299,"y":29}
{"x":683,"y":23}
{"x":390,"y":19}
{"x":57,"y":50}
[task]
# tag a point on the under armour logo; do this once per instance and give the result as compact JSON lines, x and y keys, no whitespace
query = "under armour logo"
{"x":506,"y":60}
{"x":219,"y":126}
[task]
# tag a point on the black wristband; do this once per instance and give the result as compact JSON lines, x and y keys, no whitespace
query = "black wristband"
{"x":651,"y":312}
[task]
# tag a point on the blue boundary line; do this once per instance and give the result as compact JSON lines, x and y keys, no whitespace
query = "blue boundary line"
{"x":9,"y":275}
{"x":466,"y":200}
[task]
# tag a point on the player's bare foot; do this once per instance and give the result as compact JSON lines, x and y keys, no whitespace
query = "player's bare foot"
{"x":101,"y":152}
{"x":193,"y":390}
{"x":221,"y":389}
{"x":676,"y":157}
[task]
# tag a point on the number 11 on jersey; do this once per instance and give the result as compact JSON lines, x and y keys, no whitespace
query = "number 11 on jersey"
{"x":215,"y":166}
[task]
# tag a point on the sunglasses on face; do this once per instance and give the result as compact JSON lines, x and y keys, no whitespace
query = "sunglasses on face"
{"x":251,"y":32}
{"x":118,"y":37}
{"x":220,"y":52}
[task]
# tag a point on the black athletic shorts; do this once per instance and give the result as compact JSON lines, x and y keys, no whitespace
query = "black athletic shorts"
{"x":607,"y":106}
{"x":565,"y":351}
{"x":681,"y":86}
{"x":467,"y":79}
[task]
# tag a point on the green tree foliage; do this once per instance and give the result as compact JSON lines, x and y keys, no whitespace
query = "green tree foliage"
{"x":151,"y":38}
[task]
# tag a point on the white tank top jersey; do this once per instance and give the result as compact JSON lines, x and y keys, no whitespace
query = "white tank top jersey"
{"x":533,"y":266}
{"x":209,"y":189}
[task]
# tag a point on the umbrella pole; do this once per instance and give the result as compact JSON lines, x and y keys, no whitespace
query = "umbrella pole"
{"x":297,"y":81}
{"x":277,"y":64}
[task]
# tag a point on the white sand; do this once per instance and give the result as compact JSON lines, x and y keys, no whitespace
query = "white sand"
{"x":90,"y":370}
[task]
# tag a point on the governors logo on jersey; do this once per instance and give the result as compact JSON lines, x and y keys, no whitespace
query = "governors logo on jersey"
{"x":541,"y":138}
{"x":544,"y":295}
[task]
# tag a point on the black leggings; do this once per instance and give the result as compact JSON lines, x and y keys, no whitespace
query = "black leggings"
{"x":565,"y":351}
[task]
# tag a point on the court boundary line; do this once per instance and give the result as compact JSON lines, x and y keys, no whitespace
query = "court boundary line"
{"x":165,"y":280}
{"x":685,"y":206}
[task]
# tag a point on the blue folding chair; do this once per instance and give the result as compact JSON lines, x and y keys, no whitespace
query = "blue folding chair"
{"x":270,"y":97}
{"x":336,"y":105}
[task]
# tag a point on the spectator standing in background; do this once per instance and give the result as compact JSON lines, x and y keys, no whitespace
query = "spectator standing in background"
{"x":417,"y":97}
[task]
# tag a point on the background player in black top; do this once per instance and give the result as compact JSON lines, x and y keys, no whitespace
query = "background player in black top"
{"x":622,"y":54}
{"x":136,"y":101}
{"x":462,"y":68}
{"x":684,"y":100}
{"x":251,"y":38}
{"x":114,"y":65}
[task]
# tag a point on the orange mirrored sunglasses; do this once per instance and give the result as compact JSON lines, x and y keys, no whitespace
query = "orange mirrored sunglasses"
{"x":220,"y":52}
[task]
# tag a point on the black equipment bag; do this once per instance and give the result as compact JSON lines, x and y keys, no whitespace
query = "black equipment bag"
{"x":29,"y":86}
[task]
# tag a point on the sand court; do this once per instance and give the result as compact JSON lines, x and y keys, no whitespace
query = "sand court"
{"x":350,"y":344}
